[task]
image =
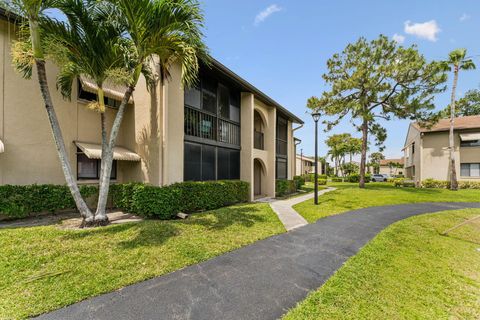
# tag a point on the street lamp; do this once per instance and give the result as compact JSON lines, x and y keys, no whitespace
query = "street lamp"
{"x":316,"y":117}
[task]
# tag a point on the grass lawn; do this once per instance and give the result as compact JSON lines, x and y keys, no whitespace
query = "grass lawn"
{"x":45,"y":268}
{"x":409,"y":271}
{"x":350,"y":197}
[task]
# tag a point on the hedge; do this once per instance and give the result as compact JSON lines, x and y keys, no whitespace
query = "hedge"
{"x":21,"y":201}
{"x":284,"y":187}
{"x":441,"y":184}
{"x":299,"y":181}
{"x":401,"y":182}
{"x":165,"y":202}
{"x":310,"y":177}
{"x":322,"y":182}
{"x":355,"y":177}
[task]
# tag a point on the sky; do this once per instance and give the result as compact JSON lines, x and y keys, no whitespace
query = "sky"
{"x":282,"y":47}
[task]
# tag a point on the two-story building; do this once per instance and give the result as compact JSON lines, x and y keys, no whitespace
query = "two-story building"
{"x":225,"y":128}
{"x":306,"y":165}
{"x":427,"y":153}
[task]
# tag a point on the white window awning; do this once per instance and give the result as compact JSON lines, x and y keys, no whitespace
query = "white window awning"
{"x":115,"y":92}
{"x":2,"y":147}
{"x":94,"y":151}
{"x":470,"y":136}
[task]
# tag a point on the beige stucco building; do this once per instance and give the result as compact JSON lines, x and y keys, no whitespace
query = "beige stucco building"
{"x":391,"y":167}
{"x":427,"y":150}
{"x":306,"y":165}
{"x":223,"y":129}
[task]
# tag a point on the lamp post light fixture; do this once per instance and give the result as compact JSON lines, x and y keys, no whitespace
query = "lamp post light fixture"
{"x":316,"y":117}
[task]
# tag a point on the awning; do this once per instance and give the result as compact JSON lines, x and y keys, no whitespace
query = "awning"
{"x":470,"y":136}
{"x":2,"y":147}
{"x":115,"y":92}
{"x":94,"y":151}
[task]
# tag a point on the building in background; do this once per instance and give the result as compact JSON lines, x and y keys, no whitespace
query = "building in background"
{"x":427,"y":152}
{"x":392,"y":167}
{"x":306,"y":165}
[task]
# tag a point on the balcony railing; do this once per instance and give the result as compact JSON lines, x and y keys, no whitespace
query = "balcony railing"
{"x":258,"y":141}
{"x":207,"y":126}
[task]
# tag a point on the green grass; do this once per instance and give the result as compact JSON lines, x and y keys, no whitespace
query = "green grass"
{"x":409,"y":271}
{"x":350,"y":197}
{"x":45,"y":268}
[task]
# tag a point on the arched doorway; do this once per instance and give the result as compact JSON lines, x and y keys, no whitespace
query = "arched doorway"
{"x":258,"y":177}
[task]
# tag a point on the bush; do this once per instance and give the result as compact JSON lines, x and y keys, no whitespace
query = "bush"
{"x":337,"y":179}
{"x":322,"y":182}
{"x":437,"y":184}
{"x":284,"y":187}
{"x":355,"y":177}
{"x":166,"y":202}
{"x":21,"y":201}
{"x":401,"y":182}
{"x":469,"y":185}
{"x":299,"y":181}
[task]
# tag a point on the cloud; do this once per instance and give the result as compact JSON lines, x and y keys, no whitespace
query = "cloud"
{"x":398,"y":38}
{"x":426,"y":30}
{"x":464,"y":17}
{"x":267,"y":12}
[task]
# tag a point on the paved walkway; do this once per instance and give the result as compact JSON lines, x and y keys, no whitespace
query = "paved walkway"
{"x":289,"y":217}
{"x":260,"y":281}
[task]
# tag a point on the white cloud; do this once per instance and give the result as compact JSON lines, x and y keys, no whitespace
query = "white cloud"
{"x":398,"y":38}
{"x":267,"y":12}
{"x":426,"y":30}
{"x":464,"y":17}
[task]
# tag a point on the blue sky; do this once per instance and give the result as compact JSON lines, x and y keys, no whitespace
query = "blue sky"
{"x":282,"y":46}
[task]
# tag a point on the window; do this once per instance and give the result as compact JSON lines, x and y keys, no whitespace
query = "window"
{"x":209,"y":95}
{"x":89,"y":169}
{"x":281,"y":171}
{"x":193,"y":97}
{"x":470,"y":169}
{"x":88,"y":96}
{"x":472,"y":143}
{"x":228,"y":164}
{"x":193,"y":162}
{"x":223,"y":102}
{"x":235,"y":106}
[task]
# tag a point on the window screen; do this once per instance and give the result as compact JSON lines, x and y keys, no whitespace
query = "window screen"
{"x":193,"y":97}
{"x":281,"y":168}
{"x":223,"y":102}
{"x":209,"y":95}
{"x":235,"y":105}
{"x":208,"y":163}
{"x":192,"y":169}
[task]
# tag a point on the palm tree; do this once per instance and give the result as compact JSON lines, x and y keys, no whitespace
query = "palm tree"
{"x":88,"y":45}
{"x":456,"y":62}
{"x":162,"y":32}
{"x":23,"y":52}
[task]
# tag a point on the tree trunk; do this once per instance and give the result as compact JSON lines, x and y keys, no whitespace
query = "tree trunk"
{"x":60,"y":144}
{"x":453,"y":170}
{"x":107,"y":159}
{"x":363,"y":159}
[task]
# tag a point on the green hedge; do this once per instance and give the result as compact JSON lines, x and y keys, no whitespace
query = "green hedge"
{"x":355,"y":177}
{"x":441,"y":184}
{"x":322,"y":182}
{"x":166,"y":202}
{"x":311,"y":177}
{"x":401,"y":182}
{"x":284,"y":187}
{"x":299,"y":181}
{"x":21,"y":201}
{"x":337,"y":179}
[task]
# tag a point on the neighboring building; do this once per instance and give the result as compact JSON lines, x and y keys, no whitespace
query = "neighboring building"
{"x":391,"y":167}
{"x":427,"y":150}
{"x":223,"y":129}
{"x":306,"y":165}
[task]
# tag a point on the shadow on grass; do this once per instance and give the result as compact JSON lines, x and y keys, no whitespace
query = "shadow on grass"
{"x":156,"y":232}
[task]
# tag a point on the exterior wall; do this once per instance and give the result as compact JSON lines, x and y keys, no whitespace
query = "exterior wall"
{"x":308,"y":165}
{"x":290,"y":152}
{"x":413,"y":163}
{"x":391,"y":171}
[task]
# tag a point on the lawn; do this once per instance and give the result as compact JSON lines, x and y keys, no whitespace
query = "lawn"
{"x":350,"y":197}
{"x":409,"y":271}
{"x":45,"y":268}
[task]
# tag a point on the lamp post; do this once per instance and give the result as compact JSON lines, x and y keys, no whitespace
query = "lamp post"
{"x":316,"y":117}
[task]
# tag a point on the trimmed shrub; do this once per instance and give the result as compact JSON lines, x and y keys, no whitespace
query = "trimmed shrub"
{"x":355,"y":177}
{"x":437,"y":184}
{"x":401,"y":182}
{"x":299,"y":181}
{"x":122,"y":195}
{"x":322,"y":182}
{"x":284,"y":187}
{"x":469,"y":185}
{"x":22,"y":201}
{"x":165,"y":202}
{"x":337,"y":179}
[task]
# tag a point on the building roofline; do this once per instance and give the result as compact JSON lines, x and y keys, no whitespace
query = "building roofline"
{"x":251,"y":88}
{"x":10,"y":16}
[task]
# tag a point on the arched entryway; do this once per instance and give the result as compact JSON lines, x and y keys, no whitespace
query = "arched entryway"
{"x":258,"y":178}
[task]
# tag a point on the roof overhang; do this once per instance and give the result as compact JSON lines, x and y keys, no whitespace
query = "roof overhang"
{"x":248,"y":87}
{"x":94,"y":151}
{"x":470,"y":136}
{"x":2,"y":147}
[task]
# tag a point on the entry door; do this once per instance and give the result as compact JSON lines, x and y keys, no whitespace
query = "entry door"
{"x":257,"y":176}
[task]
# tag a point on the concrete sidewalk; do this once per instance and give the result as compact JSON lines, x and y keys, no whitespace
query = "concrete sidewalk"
{"x":289,"y":217}
{"x":260,"y":281}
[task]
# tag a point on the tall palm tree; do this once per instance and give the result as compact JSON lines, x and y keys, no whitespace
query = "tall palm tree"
{"x":88,"y":44}
{"x":456,"y":61}
{"x":33,"y":47}
{"x":163,"y":32}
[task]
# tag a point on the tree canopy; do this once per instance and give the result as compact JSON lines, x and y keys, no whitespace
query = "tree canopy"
{"x":468,"y":105}
{"x":378,"y":80}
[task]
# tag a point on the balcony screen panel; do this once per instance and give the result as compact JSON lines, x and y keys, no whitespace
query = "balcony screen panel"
{"x":281,"y":168}
{"x":235,"y":106}
{"x":228,"y":132}
{"x":282,"y":148}
{"x":193,"y":162}
{"x":234,"y":164}
{"x":208,"y":163}
{"x":282,"y":129}
{"x":223,"y":102}
{"x":193,"y":97}
{"x":209,"y":96}
{"x":223,"y":164}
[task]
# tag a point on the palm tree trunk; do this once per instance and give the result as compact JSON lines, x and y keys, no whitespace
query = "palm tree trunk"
{"x":363,"y":159}
{"x":453,"y":170}
{"x":107,"y":159}
{"x":60,"y":144}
